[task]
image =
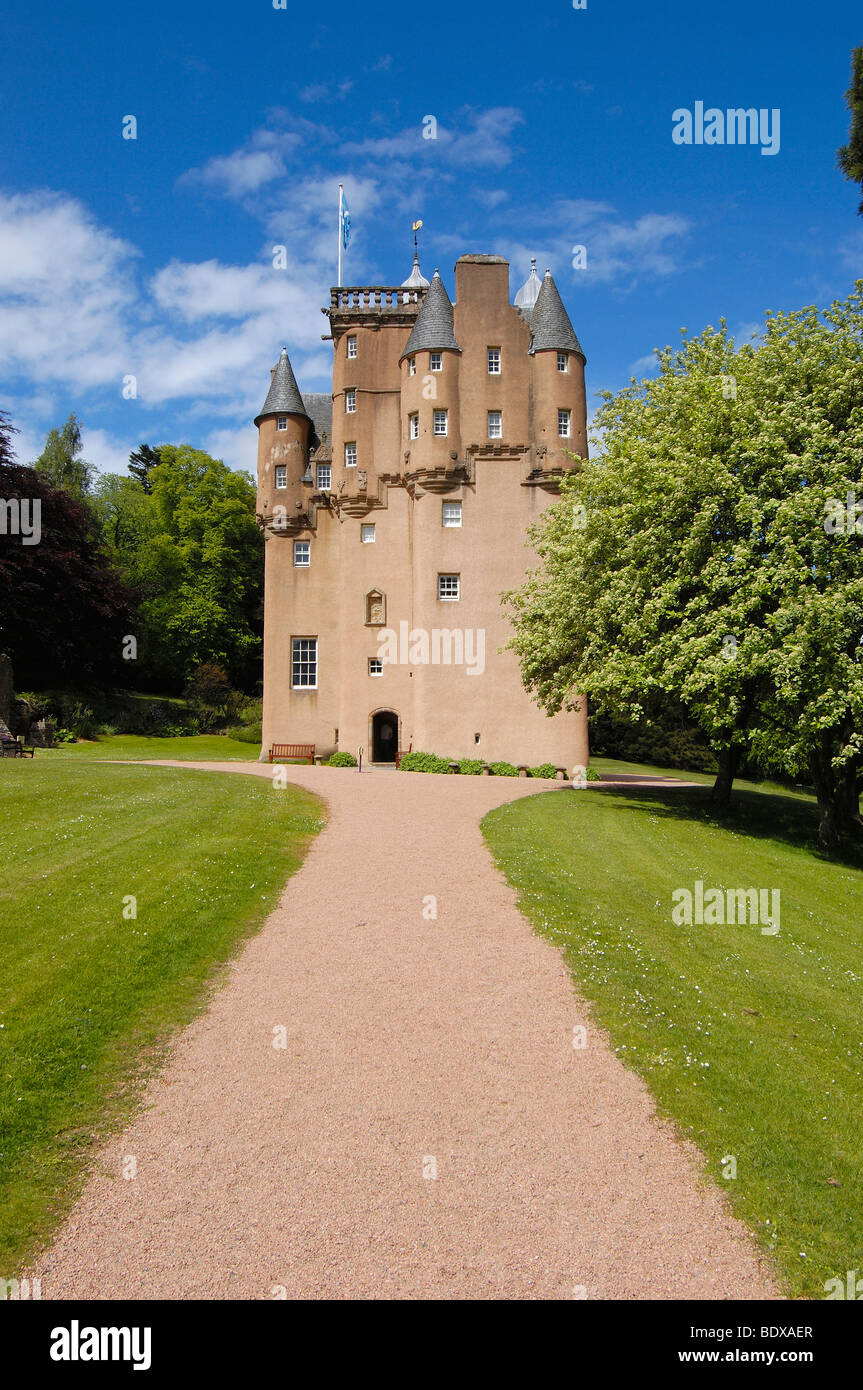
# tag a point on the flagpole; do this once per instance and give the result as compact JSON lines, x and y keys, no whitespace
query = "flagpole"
{"x":339,"y":280}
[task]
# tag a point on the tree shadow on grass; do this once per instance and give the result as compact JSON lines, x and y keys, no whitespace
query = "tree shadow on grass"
{"x":759,"y":815}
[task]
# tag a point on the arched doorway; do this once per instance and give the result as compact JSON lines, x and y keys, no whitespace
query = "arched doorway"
{"x":385,"y":736}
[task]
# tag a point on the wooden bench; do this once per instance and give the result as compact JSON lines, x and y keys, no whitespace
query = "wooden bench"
{"x":16,"y":748}
{"x":299,"y":752}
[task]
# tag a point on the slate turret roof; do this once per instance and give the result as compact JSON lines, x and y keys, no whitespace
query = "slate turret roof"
{"x":433,"y":329}
{"x":283,"y":397}
{"x":549,"y":322}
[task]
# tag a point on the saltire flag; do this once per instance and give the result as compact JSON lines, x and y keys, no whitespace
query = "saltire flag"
{"x":344,"y":220}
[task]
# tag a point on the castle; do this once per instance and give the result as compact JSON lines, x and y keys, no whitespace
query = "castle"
{"x":395,"y":513}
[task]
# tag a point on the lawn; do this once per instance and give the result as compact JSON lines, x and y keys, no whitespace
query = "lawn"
{"x":88,"y":995}
{"x":751,"y":1043}
{"x":193,"y":748}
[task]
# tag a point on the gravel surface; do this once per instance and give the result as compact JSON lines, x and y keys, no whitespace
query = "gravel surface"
{"x":428,"y":1129}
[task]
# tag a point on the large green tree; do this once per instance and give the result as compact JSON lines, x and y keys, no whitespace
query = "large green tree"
{"x":694,"y":561}
{"x":196,"y":553}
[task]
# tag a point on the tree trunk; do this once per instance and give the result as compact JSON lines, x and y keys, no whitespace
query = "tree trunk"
{"x":729,"y":762}
{"x":837,"y":790}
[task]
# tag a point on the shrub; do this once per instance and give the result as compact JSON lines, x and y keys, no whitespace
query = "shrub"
{"x":424,"y":762}
{"x":471,"y":766}
{"x":246,"y":733}
{"x":341,"y":760}
{"x":503,"y":770}
{"x":544,"y":770}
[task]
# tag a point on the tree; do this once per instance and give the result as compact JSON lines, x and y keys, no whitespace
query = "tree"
{"x":64,"y":609}
{"x":692,"y":563}
{"x":141,"y":463}
{"x":7,"y":429}
{"x":201,"y":569}
{"x":60,"y":463}
{"x":850,"y":157}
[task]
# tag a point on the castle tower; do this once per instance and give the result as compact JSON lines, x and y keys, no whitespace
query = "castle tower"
{"x":394,"y":526}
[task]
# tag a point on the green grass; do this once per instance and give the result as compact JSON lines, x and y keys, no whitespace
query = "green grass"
{"x":194,"y":748}
{"x":88,"y":998}
{"x":750,"y":1043}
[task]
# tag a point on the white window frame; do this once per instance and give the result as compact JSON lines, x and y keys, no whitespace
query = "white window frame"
{"x":445,"y":582}
{"x":365,"y":528}
{"x":281,"y":422}
{"x":435,"y":361}
{"x":414,"y":426}
{"x":451,"y":525}
{"x":304,"y":661}
{"x":563,"y":361}
{"x":376,"y":667}
{"x":493,"y":361}
{"x":495,"y":431}
{"x":412,"y":366}
{"x":320,"y":470}
{"x":351,"y":400}
{"x":351,"y":455}
{"x":351,"y":345}
{"x":281,"y":471}
{"x":441,"y":416}
{"x":564,"y":423}
{"x":302,"y":564}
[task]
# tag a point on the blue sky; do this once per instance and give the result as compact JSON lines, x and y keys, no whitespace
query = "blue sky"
{"x":154,"y":257}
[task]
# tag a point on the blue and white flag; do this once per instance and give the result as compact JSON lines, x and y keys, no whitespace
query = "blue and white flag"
{"x":344,"y":219}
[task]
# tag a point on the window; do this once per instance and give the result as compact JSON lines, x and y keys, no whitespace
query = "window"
{"x":352,"y":345}
{"x":563,"y":361}
{"x":350,"y":400}
{"x":304,"y":663}
{"x":281,"y":422}
{"x":451,"y":515}
{"x":367,"y":534}
{"x":302,"y":554}
{"x":325,"y":477}
{"x":435,"y":361}
{"x":563,"y":427}
{"x":376,"y":666}
{"x":494,"y":361}
{"x":448,"y":587}
{"x":495,"y":424}
{"x":414,"y":422}
{"x":350,"y":456}
{"x":440,"y":422}
{"x":412,"y":366}
{"x":281,"y":475}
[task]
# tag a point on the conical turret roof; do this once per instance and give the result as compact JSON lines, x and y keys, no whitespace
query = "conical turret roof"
{"x":529,"y":292}
{"x":416,"y":280}
{"x":283,"y":397}
{"x":433,"y":329}
{"x":549,"y":322}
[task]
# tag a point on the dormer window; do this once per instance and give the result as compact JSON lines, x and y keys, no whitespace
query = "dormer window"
{"x":563,"y":361}
{"x":350,"y":401}
{"x":435,"y":361}
{"x":352,"y":345}
{"x":281,"y":422}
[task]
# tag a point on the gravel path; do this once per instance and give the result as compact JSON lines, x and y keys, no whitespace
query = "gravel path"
{"x":428,"y":1129}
